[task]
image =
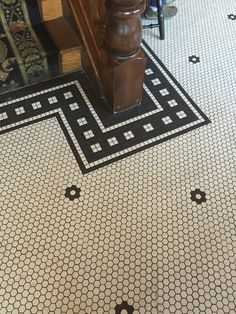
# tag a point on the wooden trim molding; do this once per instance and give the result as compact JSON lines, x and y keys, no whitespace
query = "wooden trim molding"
{"x":51,"y":9}
{"x":80,"y":10}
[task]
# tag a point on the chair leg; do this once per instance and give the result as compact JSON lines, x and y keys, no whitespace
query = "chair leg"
{"x":160,"y":16}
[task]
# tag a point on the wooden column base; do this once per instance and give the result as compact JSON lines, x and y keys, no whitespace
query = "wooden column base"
{"x":123,"y":80}
{"x":111,"y":31}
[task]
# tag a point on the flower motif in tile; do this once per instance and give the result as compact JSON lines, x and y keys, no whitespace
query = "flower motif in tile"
{"x":232,"y":17}
{"x":20,"y":110}
{"x":124,"y":307}
{"x":181,"y":114}
{"x":96,"y":148}
{"x":72,"y":192}
{"x":128,"y":135}
{"x":74,"y":106}
{"x":172,"y":103}
{"x":82,"y":121}
{"x":36,"y":105}
{"x":198,"y":196}
{"x":3,"y":116}
{"x":194,"y":59}
{"x":164,"y":92}
{"x":167,"y":120}
{"x":88,"y":134}
{"x":148,"y":127}
{"x":148,"y":72}
{"x":52,"y":100}
{"x":68,"y":95}
{"x":156,"y":82}
{"x":112,"y":141}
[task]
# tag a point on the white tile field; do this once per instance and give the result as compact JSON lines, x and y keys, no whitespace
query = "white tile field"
{"x":102,"y":216}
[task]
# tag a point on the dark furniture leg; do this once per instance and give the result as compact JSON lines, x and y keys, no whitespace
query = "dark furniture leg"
{"x":160,"y":16}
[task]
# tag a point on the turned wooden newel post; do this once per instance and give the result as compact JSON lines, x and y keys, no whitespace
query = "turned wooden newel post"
{"x":124,"y":60}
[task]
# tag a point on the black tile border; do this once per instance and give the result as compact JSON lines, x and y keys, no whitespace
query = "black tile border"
{"x":68,"y":137}
{"x":176,"y":82}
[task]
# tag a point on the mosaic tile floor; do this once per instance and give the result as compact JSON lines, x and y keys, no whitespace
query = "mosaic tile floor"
{"x":152,"y":232}
{"x":96,"y":136}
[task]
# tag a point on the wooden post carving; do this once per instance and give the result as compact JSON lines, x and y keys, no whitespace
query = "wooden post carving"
{"x":124,"y":61}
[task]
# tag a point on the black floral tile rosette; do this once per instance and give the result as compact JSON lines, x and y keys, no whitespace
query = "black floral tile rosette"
{"x":232,"y":17}
{"x":72,"y":192}
{"x":198,"y":196}
{"x":194,"y":59}
{"x":124,"y":306}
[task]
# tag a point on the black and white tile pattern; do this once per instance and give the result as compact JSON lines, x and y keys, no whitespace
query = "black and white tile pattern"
{"x":96,"y":136}
{"x":153,"y":232}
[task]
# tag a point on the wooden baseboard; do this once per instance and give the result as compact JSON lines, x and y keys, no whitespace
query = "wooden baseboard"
{"x":67,"y":42}
{"x":51,"y":9}
{"x":70,"y":60}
